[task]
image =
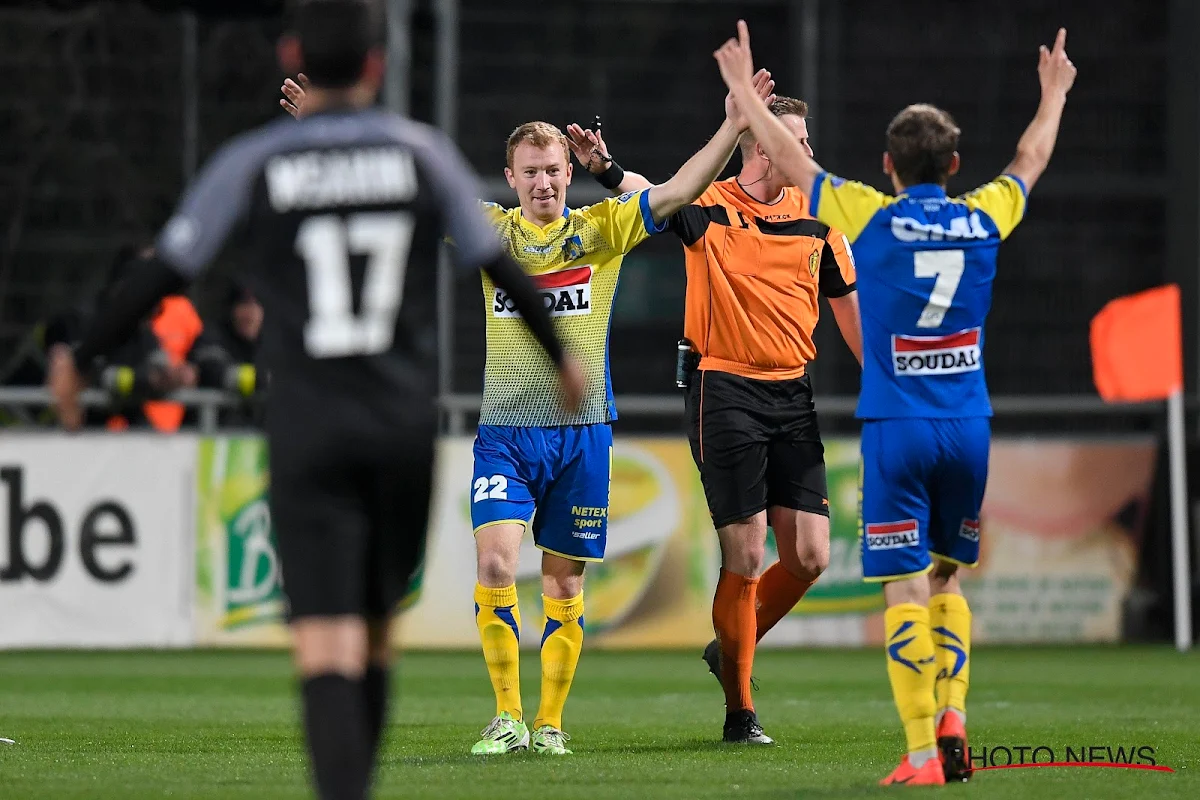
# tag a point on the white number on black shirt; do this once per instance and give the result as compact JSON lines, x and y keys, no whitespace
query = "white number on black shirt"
{"x":325,"y":243}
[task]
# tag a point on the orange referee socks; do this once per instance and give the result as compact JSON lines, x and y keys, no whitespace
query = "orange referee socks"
{"x":778,"y":593}
{"x":736,"y":628}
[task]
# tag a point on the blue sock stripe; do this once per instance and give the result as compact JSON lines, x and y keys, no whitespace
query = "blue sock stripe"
{"x":893,"y":651}
{"x":903,"y":627}
{"x":947,"y":632}
{"x":960,"y":658}
{"x":506,"y":613}
{"x":551,"y":626}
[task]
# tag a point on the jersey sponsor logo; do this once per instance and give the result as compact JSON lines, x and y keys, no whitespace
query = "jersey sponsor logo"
{"x":893,"y":535}
{"x":328,"y":178}
{"x":539,"y":249}
{"x":969,"y":530}
{"x":907,"y":229}
{"x":566,"y":293}
{"x":917,"y":356}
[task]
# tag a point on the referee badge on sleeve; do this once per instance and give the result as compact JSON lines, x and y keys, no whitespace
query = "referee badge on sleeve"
{"x":814,"y":263}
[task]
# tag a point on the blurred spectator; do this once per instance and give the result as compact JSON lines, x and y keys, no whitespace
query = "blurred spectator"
{"x":154,"y":362}
{"x":227,"y":354}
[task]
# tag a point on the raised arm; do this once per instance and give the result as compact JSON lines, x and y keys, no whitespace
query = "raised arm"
{"x":686,"y":185}
{"x":1057,"y":75}
{"x":736,"y":63}
{"x":591,"y":151}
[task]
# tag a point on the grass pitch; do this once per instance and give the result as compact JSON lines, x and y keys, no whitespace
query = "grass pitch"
{"x":645,"y":725}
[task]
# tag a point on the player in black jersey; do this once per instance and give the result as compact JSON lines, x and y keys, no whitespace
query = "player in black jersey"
{"x":345,"y":210}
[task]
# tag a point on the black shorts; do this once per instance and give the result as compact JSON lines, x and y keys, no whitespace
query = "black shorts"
{"x":350,"y":522}
{"x":756,"y":444}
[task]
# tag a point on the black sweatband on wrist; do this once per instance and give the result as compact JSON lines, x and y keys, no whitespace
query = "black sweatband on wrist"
{"x":611,"y":178}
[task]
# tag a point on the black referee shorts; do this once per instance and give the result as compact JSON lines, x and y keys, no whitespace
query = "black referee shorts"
{"x":756,"y":444}
{"x":350,"y":521}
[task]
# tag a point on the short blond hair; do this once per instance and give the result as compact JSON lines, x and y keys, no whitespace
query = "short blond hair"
{"x":538,"y":134}
{"x":781,"y":107}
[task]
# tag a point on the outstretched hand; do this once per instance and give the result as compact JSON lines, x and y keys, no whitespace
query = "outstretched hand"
{"x":764,"y":89}
{"x":1055,"y":70}
{"x":736,"y":62}
{"x":589,"y":148}
{"x":294,"y":94}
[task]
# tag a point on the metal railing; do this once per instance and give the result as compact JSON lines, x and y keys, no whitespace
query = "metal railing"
{"x":460,"y":407}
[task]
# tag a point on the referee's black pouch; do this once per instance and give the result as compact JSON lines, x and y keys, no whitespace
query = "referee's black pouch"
{"x":686,"y":361}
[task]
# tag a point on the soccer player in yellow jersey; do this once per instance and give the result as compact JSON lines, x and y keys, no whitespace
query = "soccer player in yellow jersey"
{"x":926,"y":263}
{"x":531,"y":455}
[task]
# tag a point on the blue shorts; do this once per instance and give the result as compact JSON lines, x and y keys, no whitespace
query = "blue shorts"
{"x":922,"y":487}
{"x":563,"y":473}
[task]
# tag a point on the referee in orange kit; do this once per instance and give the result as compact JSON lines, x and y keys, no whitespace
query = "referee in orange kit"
{"x":756,"y":264}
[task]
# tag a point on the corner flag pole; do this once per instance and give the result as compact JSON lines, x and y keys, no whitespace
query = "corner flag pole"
{"x":1179,"y":521}
{"x":1137,"y":355}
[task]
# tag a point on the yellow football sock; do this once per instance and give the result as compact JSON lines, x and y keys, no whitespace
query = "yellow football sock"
{"x":950,"y":620}
{"x":562,"y":639}
{"x":499,"y":623}
{"x":912,"y":670}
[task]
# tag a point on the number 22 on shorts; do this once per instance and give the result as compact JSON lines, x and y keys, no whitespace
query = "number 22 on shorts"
{"x":493,"y":488}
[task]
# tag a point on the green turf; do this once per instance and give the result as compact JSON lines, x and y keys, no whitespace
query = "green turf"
{"x":645,"y":725}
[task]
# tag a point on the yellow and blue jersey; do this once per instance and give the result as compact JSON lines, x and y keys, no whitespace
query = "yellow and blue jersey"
{"x":925,"y":266}
{"x":575,"y":261}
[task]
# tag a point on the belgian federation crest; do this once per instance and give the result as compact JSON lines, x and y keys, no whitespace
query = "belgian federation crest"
{"x":572,"y":249}
{"x":814,"y":263}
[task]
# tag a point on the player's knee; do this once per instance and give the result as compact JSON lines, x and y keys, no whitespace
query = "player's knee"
{"x":495,"y":569}
{"x":803,"y":540}
{"x":745,"y":555}
{"x":562,"y":587}
{"x":562,"y":578}
{"x":335,"y":644}
{"x":811,"y":562}
{"x":744,"y":548}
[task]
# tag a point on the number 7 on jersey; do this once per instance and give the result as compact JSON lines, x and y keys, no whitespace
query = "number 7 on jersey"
{"x":947,"y":267}
{"x":325,"y":243}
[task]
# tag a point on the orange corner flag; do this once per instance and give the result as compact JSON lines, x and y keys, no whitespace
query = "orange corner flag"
{"x":1137,"y":346}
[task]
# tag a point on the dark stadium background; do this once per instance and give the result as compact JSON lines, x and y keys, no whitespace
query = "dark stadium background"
{"x":99,"y":99}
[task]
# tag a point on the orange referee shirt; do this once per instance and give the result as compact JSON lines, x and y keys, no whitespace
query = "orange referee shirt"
{"x":754,"y":272}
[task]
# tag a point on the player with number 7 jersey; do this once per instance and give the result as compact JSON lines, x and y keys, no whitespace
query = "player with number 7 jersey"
{"x":925,"y":264}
